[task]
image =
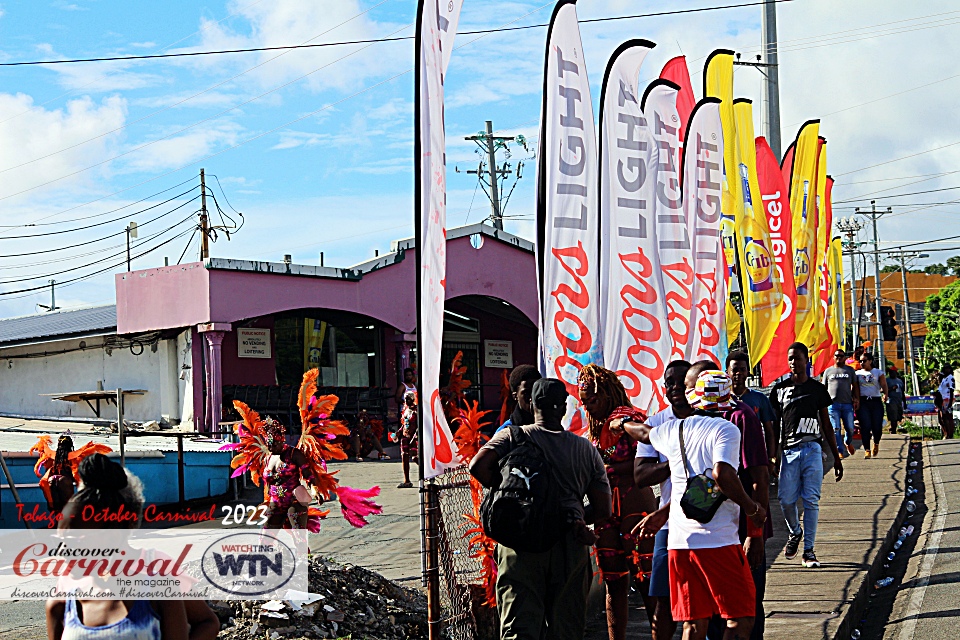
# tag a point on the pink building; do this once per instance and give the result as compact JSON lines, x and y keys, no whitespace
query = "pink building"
{"x":263,"y":324}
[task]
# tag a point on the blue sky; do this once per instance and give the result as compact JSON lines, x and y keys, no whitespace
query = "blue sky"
{"x":315,"y":146}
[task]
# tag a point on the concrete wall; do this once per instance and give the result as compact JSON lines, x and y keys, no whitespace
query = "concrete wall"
{"x":24,"y":379}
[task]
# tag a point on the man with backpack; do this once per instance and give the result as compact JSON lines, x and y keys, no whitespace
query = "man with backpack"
{"x":538,"y":476}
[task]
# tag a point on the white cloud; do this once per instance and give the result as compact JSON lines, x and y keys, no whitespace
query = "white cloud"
{"x":177,"y":151}
{"x":29,"y":132}
{"x":98,"y":76}
{"x":286,"y":22}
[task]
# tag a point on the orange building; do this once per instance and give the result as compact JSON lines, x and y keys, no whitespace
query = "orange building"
{"x":919,"y":287}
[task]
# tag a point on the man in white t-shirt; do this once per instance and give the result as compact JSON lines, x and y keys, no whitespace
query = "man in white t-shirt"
{"x":652,"y":467}
{"x":709,"y":573}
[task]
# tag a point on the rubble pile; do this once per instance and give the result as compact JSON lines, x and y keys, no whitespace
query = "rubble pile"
{"x":343,"y":601}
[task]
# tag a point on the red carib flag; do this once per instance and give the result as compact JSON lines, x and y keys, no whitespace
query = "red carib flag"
{"x":676,"y":72}
{"x":776,"y":205}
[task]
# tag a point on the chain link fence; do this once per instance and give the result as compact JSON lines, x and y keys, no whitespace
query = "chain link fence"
{"x":460,"y":575}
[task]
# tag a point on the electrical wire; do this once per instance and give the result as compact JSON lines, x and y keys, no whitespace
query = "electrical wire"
{"x":80,"y":88}
{"x":187,"y":99}
{"x":897,"y":195}
{"x":101,"y":260}
{"x":97,"y":215}
{"x":100,"y":224}
{"x":287,"y":124}
{"x":181,"y":130}
{"x":90,"y":275}
{"x":87,"y":242}
{"x":375,"y":40}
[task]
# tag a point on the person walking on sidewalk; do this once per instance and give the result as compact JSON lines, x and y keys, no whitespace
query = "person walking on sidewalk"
{"x":946,"y":390}
{"x":844,"y":390}
{"x":873,"y":395}
{"x":543,"y":595}
{"x":709,"y":573}
{"x":801,"y":404}
{"x":738,"y":368}
{"x":896,"y":400}
{"x":652,"y":467}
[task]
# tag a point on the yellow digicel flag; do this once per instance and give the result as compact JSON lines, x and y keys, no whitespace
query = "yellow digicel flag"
{"x":836,"y":281}
{"x":761,"y":288}
{"x":803,"y":192}
{"x":718,"y":83}
{"x":823,"y":224}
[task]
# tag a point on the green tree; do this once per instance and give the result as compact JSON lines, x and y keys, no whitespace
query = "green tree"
{"x":936,"y":269}
{"x":942,"y":342}
{"x":890,"y":268}
{"x":953,"y":263}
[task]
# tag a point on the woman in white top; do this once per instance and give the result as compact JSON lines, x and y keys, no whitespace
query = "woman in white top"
{"x":873,"y":397}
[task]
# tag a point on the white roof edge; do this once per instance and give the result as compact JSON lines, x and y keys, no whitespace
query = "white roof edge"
{"x":469,"y":230}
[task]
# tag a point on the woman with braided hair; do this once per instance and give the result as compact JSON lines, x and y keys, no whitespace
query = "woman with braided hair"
{"x":59,"y":476}
{"x":604,"y":399}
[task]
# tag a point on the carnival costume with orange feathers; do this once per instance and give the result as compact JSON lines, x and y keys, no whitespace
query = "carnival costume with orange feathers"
{"x":58,"y":469}
{"x":263,"y":452}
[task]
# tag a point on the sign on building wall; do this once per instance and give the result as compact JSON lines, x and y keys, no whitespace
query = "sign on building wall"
{"x":498,"y":354}
{"x":253,"y":343}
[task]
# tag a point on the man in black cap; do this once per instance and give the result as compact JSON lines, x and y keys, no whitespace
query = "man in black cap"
{"x":548,"y":590}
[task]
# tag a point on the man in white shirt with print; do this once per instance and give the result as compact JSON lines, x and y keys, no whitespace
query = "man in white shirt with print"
{"x":709,"y":573}
{"x":652,"y":467}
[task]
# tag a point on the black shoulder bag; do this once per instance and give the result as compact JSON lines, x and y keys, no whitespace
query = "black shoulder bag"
{"x":701,"y":497}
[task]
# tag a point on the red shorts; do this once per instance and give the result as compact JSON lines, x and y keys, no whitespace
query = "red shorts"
{"x":706,"y":582}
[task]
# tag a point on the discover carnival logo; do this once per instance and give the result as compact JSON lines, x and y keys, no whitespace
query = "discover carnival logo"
{"x":249,"y":564}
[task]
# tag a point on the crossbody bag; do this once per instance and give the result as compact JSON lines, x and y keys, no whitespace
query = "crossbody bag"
{"x":702,"y":496}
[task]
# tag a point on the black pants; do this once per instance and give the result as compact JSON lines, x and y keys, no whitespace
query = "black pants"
{"x":718,"y":626}
{"x":870,"y":415}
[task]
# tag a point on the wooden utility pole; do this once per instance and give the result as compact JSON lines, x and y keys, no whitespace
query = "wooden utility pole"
{"x":204,"y":220}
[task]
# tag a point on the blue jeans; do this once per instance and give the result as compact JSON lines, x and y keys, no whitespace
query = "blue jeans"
{"x":801,"y":475}
{"x":841,"y":417}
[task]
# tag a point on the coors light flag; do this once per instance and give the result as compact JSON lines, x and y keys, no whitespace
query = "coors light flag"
{"x":636,"y":335}
{"x":436,"y":24}
{"x":567,"y":227}
{"x":702,"y":176}
{"x":659,"y":106}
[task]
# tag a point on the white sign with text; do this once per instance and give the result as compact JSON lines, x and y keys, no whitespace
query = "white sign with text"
{"x":253,"y":343}
{"x":498,"y":354}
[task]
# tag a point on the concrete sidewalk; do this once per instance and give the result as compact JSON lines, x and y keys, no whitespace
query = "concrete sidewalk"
{"x":856,"y":517}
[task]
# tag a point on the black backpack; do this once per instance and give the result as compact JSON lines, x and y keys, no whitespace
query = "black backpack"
{"x":524,"y":512}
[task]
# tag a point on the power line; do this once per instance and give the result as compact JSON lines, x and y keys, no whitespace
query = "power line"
{"x":897,"y":195}
{"x":101,"y":260}
{"x":196,"y":95}
{"x":90,"y":275}
{"x":100,"y":224}
{"x":187,"y":54}
{"x":87,"y":242}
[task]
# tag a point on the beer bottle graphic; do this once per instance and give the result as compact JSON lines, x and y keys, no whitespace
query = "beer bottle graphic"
{"x":803,"y":261}
{"x":756,"y":255}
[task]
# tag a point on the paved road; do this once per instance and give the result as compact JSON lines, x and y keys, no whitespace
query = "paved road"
{"x":927,"y":605}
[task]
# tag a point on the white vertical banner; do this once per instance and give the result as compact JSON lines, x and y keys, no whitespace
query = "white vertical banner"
{"x":438,"y":450}
{"x":636,"y":336}
{"x":674,"y":245}
{"x":568,"y":238}
{"x":702,"y":182}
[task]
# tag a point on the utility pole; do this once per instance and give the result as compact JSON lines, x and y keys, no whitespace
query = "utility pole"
{"x":771,"y":88}
{"x":131,"y":233}
{"x":204,"y":220}
{"x":489,"y":143}
{"x":850,"y":227}
{"x":53,"y":298}
{"x":906,"y":318}
{"x":874,"y":215}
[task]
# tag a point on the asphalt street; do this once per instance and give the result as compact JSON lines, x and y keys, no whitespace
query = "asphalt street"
{"x":927,"y":604}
